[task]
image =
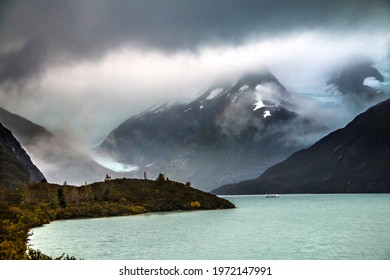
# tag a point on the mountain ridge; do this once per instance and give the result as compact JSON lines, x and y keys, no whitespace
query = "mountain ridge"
{"x":354,"y":159}
{"x":350,"y":80}
{"x":202,"y":141}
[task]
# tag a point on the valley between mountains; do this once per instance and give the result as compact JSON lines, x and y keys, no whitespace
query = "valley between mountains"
{"x":219,"y":142}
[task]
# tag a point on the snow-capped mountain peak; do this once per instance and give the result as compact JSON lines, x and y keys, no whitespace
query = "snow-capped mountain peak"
{"x":206,"y":140}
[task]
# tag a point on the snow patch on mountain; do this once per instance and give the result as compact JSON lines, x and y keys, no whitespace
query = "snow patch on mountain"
{"x":214,"y":93}
{"x":371,"y":82}
{"x":159,"y":110}
{"x":266,"y":114}
{"x":243,"y":88}
{"x":259,"y":104}
{"x":113,"y":165}
{"x":268,"y":92}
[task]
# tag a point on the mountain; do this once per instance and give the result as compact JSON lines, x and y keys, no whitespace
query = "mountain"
{"x":25,"y":130}
{"x":16,"y":167}
{"x":58,"y":160}
{"x":356,"y":78}
{"x":229,"y":133}
{"x":354,"y":159}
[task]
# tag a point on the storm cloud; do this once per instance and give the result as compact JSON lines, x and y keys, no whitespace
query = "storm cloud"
{"x":18,"y":65}
{"x":89,"y":29}
{"x":85,"y":66}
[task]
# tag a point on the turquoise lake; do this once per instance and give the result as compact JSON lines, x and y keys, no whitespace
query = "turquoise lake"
{"x":332,"y":227}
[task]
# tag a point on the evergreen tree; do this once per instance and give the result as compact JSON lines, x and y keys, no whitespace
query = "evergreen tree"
{"x":61,"y":198}
{"x":106,"y":195}
{"x":160,"y":179}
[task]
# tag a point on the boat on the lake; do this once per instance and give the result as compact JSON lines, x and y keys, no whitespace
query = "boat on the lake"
{"x":271,"y":195}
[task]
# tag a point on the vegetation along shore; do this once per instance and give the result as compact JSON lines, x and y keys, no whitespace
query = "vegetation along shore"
{"x":33,"y":205}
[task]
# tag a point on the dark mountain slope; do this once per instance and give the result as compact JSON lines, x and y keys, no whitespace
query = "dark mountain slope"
{"x":23,"y":129}
{"x":226,"y":135}
{"x":355,"y":159}
{"x":55,"y":157}
{"x":16,"y":167}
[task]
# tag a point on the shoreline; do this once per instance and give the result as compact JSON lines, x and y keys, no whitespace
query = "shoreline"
{"x":28,"y":207}
{"x":28,"y":245}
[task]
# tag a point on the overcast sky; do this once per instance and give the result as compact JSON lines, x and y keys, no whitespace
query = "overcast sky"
{"x":85,"y":66}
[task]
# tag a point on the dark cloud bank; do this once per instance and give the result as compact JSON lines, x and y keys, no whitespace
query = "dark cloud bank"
{"x":76,"y":30}
{"x":51,"y":38}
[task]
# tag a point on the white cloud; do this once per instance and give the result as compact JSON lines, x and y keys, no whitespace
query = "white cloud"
{"x":90,"y":98}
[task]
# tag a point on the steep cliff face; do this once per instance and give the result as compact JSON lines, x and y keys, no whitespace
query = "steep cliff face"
{"x":16,"y":167}
{"x":355,"y":159}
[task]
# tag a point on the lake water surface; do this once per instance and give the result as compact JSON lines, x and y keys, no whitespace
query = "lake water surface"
{"x":340,"y":226}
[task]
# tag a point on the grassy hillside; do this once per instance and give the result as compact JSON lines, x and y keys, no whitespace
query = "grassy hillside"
{"x":119,"y":197}
{"x":33,"y":205}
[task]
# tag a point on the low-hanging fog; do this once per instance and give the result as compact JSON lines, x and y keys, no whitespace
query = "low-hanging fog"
{"x":80,"y":68}
{"x":92,"y":97}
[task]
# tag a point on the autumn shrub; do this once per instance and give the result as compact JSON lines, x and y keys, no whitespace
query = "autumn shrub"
{"x":195,"y":204}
